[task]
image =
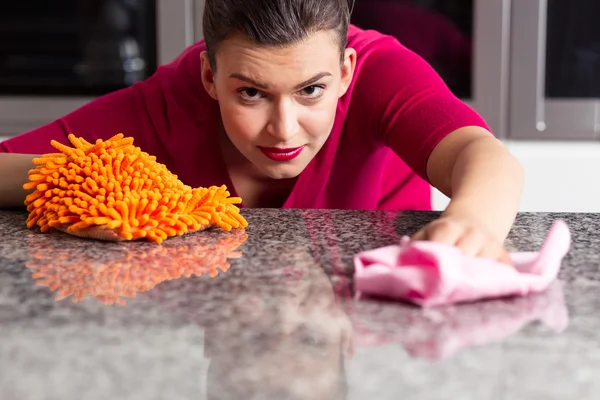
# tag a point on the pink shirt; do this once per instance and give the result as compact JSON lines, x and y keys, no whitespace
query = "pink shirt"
{"x":395,"y":112}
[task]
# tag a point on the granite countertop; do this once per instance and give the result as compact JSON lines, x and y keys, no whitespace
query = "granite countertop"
{"x":269,"y":314}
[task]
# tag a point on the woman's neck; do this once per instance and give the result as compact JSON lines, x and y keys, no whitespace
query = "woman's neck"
{"x":255,"y":188}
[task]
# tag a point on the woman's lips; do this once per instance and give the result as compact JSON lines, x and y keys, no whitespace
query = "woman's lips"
{"x":281,"y":154}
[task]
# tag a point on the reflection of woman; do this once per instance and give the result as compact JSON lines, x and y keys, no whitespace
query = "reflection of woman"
{"x":277,"y":346}
{"x":271,"y":333}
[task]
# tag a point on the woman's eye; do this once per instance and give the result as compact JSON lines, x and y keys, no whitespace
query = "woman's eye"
{"x":250,"y":93}
{"x":313,"y":91}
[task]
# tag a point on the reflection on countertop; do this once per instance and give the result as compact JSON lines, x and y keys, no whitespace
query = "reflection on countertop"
{"x":122,"y":271}
{"x":439,"y":333}
{"x":269,"y":313}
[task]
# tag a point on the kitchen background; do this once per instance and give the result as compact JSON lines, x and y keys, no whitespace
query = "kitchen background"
{"x":530,"y":67}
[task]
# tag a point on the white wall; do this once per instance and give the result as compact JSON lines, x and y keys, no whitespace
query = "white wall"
{"x":559,"y":176}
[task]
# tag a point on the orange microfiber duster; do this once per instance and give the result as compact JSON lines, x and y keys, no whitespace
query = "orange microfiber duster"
{"x":112,"y":190}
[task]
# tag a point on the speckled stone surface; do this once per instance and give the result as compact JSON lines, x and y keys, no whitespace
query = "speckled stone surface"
{"x":91,"y":320}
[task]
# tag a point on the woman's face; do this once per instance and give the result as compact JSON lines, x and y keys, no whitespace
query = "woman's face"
{"x":278,"y":105}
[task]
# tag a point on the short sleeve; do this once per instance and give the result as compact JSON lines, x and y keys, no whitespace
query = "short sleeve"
{"x":124,"y":111}
{"x":406,"y":103}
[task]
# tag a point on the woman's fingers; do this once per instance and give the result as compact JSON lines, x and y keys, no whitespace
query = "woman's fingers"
{"x":468,"y":238}
{"x":472,"y":242}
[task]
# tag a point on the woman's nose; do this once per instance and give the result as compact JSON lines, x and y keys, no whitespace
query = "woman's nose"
{"x":284,"y":122}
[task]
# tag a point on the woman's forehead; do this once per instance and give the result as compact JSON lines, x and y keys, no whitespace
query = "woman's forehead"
{"x":318,"y":49}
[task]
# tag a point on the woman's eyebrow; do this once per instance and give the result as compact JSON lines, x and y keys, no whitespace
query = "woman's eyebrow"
{"x":312,"y":80}
{"x":307,"y":82}
{"x":248,"y":80}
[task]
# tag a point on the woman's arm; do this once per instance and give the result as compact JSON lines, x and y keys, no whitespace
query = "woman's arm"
{"x":124,"y":111}
{"x":14,"y":169}
{"x":483,"y":180}
{"x":446,"y":143}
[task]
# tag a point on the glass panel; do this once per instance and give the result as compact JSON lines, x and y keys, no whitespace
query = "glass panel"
{"x":573,"y":49}
{"x":75,"y":47}
{"x":440,"y":31}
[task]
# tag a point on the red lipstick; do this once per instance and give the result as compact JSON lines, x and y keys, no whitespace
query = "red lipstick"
{"x":281,"y":154}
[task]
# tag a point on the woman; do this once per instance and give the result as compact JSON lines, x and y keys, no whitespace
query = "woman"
{"x":290,"y":106}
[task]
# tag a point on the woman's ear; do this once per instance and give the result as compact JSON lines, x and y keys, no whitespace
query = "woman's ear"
{"x":348,"y":66}
{"x":208,"y":77}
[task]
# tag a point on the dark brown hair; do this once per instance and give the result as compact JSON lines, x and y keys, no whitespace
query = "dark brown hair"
{"x":273,"y":22}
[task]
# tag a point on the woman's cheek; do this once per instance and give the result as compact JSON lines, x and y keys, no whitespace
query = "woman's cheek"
{"x":318,"y":121}
{"x":242,"y":121}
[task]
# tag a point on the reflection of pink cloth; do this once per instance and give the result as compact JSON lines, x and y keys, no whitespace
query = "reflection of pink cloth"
{"x":433,"y":274}
{"x":439,"y":333}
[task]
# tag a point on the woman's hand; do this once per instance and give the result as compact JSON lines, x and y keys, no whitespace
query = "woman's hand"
{"x":467,"y":234}
{"x":484,"y":182}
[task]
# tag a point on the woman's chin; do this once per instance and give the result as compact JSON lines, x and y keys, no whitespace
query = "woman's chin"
{"x":282,"y":172}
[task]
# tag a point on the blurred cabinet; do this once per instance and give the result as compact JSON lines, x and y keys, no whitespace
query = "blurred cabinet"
{"x":75,"y":47}
{"x":57,"y":55}
{"x":466,"y":41}
{"x":439,"y":31}
{"x":555,"y":70}
{"x":530,"y":67}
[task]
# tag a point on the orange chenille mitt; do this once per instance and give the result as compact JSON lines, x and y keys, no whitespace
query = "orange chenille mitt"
{"x":111,"y":190}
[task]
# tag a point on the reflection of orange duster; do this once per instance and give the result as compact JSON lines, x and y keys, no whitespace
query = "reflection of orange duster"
{"x":112,"y":190}
{"x":112,"y":271}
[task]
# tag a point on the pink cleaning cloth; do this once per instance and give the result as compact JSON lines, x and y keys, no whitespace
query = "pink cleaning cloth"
{"x":432,"y":274}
